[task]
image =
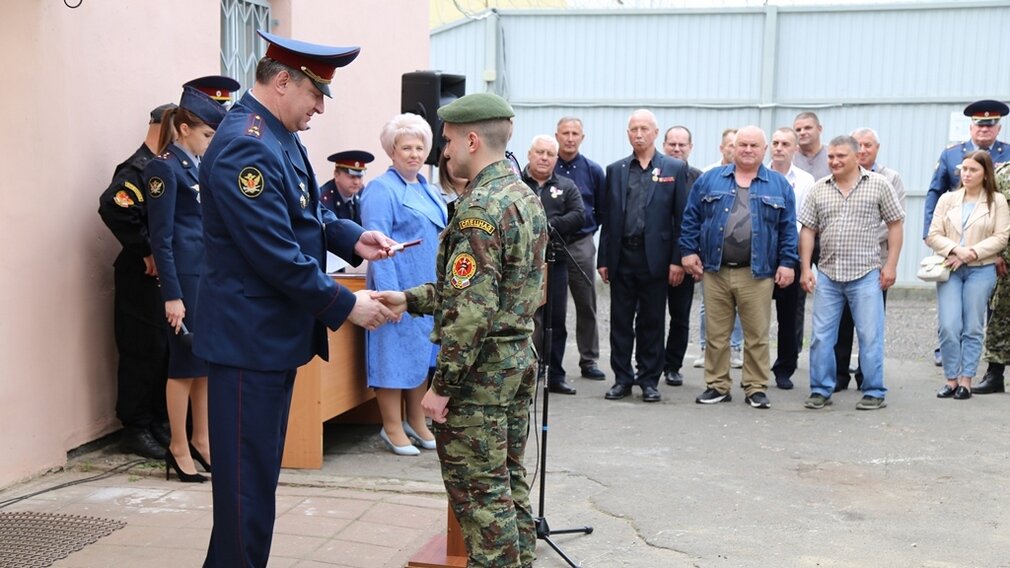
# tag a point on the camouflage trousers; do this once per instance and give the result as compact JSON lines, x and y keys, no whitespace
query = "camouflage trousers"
{"x":481,"y":451}
{"x":997,"y":332}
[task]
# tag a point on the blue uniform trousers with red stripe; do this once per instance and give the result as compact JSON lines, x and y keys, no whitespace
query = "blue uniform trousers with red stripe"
{"x":248,"y":413}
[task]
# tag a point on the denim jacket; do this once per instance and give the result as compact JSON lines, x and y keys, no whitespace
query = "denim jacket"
{"x":773,"y":220}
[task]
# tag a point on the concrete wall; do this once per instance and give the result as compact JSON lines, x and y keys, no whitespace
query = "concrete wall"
{"x":80,"y":83}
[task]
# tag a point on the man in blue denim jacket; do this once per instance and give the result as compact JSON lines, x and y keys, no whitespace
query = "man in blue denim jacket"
{"x":740,"y":227}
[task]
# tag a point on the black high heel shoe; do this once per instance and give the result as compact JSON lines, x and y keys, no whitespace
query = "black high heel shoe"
{"x":183,"y":476}
{"x":199,"y":458}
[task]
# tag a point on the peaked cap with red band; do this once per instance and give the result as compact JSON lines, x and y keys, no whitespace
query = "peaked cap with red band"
{"x":354,"y":161}
{"x":317,"y":62}
{"x":986,"y":112}
{"x":217,"y":87}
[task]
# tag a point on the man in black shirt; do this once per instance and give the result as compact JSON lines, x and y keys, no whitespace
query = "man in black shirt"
{"x":639,"y":255}
{"x":565,"y":215}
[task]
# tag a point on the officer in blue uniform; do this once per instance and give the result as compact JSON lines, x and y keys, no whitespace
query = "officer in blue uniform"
{"x":174,"y":218}
{"x":985,"y":127}
{"x":341,"y":193}
{"x":139,"y":322}
{"x":264,"y":300}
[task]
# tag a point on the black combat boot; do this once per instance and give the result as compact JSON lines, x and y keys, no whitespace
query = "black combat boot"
{"x":992,"y":381}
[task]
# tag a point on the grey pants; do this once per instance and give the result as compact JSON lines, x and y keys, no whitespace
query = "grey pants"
{"x":584,"y":294}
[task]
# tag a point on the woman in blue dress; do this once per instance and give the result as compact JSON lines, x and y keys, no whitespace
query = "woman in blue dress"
{"x":176,"y":233}
{"x":402,"y":204}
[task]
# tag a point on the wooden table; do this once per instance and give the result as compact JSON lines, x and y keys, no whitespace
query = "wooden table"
{"x":329,"y":389}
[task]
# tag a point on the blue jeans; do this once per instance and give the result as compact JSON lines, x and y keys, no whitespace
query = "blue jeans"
{"x":961,"y":304}
{"x":735,"y":339}
{"x":867,"y":305}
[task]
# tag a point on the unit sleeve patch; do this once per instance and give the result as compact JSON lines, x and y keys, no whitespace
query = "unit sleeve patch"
{"x":464,"y":267}
{"x":123,"y":199}
{"x":473,"y":223}
{"x":250,"y":182}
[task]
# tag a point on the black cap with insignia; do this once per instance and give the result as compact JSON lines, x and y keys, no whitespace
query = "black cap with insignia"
{"x":217,"y":87}
{"x":986,"y":112}
{"x":354,"y":161}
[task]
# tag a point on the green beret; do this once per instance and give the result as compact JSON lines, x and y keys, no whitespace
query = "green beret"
{"x":475,"y":108}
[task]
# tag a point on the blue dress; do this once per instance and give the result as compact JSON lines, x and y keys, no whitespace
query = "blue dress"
{"x":175,"y":226}
{"x":399,"y":354}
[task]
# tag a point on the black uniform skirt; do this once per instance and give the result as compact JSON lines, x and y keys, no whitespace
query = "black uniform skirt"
{"x":182,"y":363}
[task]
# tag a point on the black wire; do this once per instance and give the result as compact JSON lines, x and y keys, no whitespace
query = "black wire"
{"x":118,"y":469}
{"x":67,"y":4}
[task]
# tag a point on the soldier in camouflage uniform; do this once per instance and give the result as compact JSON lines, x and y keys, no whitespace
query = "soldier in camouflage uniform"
{"x":489,"y":283}
{"x":997,"y":332}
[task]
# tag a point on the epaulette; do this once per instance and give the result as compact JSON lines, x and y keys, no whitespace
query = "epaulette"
{"x":165,"y":156}
{"x":140,"y":162}
{"x":253,"y":129}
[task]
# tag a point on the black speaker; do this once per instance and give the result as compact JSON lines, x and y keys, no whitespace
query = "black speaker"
{"x":424,"y":92}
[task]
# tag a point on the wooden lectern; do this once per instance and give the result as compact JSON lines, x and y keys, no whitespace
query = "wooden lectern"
{"x":444,"y":550}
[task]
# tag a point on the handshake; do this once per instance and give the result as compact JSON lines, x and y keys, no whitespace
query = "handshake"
{"x":373,"y":309}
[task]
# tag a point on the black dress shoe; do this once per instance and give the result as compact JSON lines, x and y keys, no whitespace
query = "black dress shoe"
{"x":618,"y":392}
{"x":946,"y":392}
{"x":990,"y":384}
{"x":561,"y":387}
{"x":962,"y":393}
{"x":141,"y":442}
{"x":784,"y":382}
{"x":160,"y":433}
{"x":673,"y":378}
{"x":593,"y":372}
{"x":651,"y":394}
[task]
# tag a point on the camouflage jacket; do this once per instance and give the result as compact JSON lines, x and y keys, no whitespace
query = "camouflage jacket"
{"x":488,"y":284}
{"x":1003,"y":186}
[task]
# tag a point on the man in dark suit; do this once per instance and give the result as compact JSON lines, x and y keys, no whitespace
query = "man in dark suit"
{"x":677,"y":144}
{"x":639,"y":255}
{"x":341,"y":193}
{"x":264,"y":302}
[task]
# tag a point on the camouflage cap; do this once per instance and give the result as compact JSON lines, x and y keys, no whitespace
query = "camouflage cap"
{"x":475,"y":108}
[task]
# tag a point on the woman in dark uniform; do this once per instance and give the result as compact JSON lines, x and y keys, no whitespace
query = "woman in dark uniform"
{"x":176,"y":231}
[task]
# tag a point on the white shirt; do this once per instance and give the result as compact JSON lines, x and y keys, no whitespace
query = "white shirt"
{"x":801,"y":182}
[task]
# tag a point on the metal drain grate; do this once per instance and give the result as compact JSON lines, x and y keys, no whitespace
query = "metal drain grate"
{"x":28,"y":540}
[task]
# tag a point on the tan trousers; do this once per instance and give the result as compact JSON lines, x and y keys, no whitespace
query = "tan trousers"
{"x":725,"y":291}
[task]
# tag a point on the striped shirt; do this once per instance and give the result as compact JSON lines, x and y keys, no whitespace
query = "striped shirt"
{"x":848,"y":225}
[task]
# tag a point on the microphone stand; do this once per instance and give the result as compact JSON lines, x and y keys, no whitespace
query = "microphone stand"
{"x":544,"y":532}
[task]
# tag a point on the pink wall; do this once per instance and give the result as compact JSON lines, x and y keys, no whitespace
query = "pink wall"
{"x":80,"y":84}
{"x":393,"y":36}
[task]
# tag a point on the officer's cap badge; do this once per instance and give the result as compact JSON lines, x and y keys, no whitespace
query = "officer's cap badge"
{"x":464,"y":266}
{"x":250,"y":182}
{"x":155,"y":187}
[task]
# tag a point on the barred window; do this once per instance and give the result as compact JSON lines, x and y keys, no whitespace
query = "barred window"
{"x":241,"y":48}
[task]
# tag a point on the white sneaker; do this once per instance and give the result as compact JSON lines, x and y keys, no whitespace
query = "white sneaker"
{"x":699,"y":361}
{"x":735,"y":358}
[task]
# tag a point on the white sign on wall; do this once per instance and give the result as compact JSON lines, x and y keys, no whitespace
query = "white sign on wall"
{"x":958,"y":130}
